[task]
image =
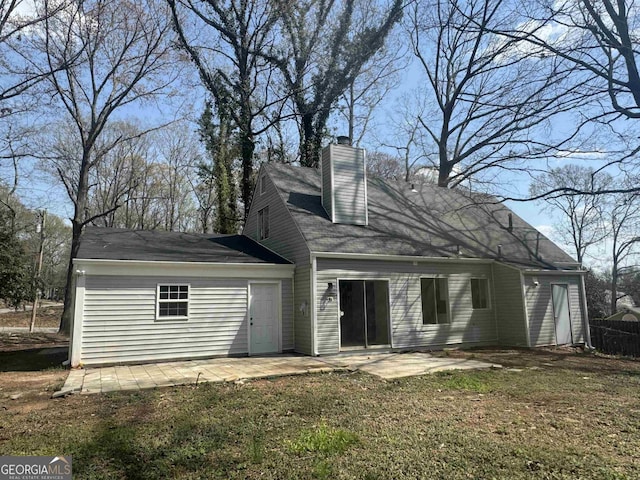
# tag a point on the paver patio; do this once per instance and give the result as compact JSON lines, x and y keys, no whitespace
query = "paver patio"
{"x":136,"y":377}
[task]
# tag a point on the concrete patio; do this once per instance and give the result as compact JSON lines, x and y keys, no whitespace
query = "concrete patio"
{"x":137,"y":377}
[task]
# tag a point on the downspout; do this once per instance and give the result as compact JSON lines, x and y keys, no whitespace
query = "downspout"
{"x":494,"y":304}
{"x":523,"y":288}
{"x":75,"y":342}
{"x":314,"y":320}
{"x":585,"y":315}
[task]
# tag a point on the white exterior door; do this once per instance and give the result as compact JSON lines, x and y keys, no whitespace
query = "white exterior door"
{"x":264,"y":321}
{"x":561,"y":314}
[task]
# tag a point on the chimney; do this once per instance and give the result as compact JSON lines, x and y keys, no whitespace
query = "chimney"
{"x":344,"y":183}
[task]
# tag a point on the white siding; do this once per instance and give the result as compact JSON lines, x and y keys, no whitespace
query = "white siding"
{"x":512,"y":327}
{"x":540,"y":307}
{"x":468,"y":326}
{"x":302,"y":297}
{"x":119,"y":323}
{"x":284,"y":237}
{"x":349,"y":184}
{"x":288,"y":337}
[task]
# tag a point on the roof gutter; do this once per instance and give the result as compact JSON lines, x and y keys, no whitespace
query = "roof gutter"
{"x":168,"y":268}
{"x":405,"y":258}
{"x":538,"y":271}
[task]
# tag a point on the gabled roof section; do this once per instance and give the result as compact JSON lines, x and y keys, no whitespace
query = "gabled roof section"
{"x":147,"y":245}
{"x":432,"y":222}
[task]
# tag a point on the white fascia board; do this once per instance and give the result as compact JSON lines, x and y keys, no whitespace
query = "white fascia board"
{"x":182,"y":269}
{"x":400,"y":258}
{"x":562,"y":273}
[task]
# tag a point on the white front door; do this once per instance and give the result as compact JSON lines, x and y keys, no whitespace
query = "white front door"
{"x":264,"y":321}
{"x":561,"y":313}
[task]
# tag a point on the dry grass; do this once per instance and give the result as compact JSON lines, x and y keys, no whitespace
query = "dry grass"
{"x":46,"y":316}
{"x":552,"y":414}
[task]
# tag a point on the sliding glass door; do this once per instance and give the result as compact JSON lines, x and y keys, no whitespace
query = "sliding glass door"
{"x":364,"y":313}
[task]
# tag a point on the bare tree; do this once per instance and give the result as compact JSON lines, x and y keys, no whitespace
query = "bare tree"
{"x":624,"y":221}
{"x":116,"y":178}
{"x":582,"y":224}
{"x":231,"y":66}
{"x":491,"y":101}
{"x":120,"y":51}
{"x":385,"y":165}
{"x":374,"y":83}
{"x":203,"y":185}
{"x":20,"y":69}
{"x":404,"y":132}
{"x":176,"y":154}
{"x":597,"y":37}
{"x":321,"y":52}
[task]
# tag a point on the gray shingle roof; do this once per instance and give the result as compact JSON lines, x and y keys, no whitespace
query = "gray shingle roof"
{"x":433,"y":222}
{"x":120,"y":244}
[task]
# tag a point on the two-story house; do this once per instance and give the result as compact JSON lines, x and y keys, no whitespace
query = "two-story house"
{"x":329,"y":261}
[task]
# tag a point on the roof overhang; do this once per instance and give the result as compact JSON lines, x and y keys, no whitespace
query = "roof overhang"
{"x":86,"y":266}
{"x":539,"y":271}
{"x":399,"y":258}
{"x":465,"y":260}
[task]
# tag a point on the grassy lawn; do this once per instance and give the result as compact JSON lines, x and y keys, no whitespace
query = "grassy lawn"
{"x":549,"y":414}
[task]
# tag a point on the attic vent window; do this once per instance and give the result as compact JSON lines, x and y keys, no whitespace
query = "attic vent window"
{"x":263,"y":185}
{"x":263,"y":223}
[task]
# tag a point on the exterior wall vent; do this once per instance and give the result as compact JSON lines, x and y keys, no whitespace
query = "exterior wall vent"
{"x":344,"y":183}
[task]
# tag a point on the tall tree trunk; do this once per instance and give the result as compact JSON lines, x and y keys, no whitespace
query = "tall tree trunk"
{"x":69,"y":295}
{"x":247,"y":147}
{"x":614,"y":289}
{"x":77,"y":224}
{"x":308,"y":157}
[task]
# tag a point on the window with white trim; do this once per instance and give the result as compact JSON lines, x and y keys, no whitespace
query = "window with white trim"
{"x":263,"y":223}
{"x":479,"y":293}
{"x":173,"y":301}
{"x":263,"y":184}
{"x":435,"y":300}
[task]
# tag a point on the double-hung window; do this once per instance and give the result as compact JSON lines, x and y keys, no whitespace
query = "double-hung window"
{"x":479,"y":293}
{"x":435,"y":300}
{"x":173,"y":301}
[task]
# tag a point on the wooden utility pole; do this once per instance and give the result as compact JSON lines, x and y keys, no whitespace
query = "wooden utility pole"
{"x":43,"y":218}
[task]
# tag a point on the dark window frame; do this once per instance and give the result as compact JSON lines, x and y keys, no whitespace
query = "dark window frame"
{"x":480,"y":298}
{"x":438,"y":313}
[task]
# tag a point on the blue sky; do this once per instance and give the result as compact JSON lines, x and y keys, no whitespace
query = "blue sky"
{"x":38,"y":190}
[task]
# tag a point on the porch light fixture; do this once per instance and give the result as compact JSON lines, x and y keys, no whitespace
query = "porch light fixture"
{"x":331,"y":291}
